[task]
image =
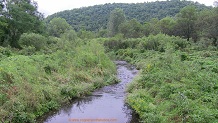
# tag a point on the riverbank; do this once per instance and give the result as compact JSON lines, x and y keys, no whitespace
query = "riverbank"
{"x":177,"y":81}
{"x":106,"y":104}
{"x":33,"y":85}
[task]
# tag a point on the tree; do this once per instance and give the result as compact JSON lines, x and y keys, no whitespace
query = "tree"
{"x":21,"y":17}
{"x":95,"y":17}
{"x":117,"y":17}
{"x":167,"y":25}
{"x":83,"y":34}
{"x":58,"y":26}
{"x":147,"y":27}
{"x":3,"y":30}
{"x":131,"y":29}
{"x":186,"y":21}
{"x":102,"y":33}
{"x":208,"y":25}
{"x":34,"y":40}
{"x":153,"y":26}
{"x":69,"y":35}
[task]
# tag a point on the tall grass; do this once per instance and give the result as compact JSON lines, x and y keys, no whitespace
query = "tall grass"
{"x":39,"y":81}
{"x":177,"y":82}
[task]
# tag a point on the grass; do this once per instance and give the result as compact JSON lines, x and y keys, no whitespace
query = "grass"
{"x":177,"y":82}
{"x":32,"y":85}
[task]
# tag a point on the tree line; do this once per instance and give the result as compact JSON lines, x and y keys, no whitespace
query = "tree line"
{"x":189,"y":23}
{"x":18,"y":17}
{"x":96,"y":17}
{"x":39,"y":54}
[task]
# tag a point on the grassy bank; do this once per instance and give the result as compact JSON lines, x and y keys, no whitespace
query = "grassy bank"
{"x":32,"y":85}
{"x":178,"y":80}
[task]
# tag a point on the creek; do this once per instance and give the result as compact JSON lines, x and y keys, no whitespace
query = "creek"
{"x":105,"y":105}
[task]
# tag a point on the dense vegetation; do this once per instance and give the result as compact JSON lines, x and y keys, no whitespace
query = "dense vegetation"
{"x":41,"y":71}
{"x":14,"y":16}
{"x":177,"y":58}
{"x":96,"y":17}
{"x":48,"y":63}
{"x":177,"y":80}
{"x":32,"y":85}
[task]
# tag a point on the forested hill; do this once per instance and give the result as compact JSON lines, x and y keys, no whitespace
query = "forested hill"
{"x":96,"y":17}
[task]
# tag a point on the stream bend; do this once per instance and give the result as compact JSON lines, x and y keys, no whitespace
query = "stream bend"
{"x":105,"y":105}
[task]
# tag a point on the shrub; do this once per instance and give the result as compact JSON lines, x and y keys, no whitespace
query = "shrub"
{"x":70,"y":36}
{"x":34,"y":40}
{"x":33,"y":85}
{"x":180,"y":82}
{"x":5,"y":52}
{"x":30,"y":50}
{"x":152,"y":44}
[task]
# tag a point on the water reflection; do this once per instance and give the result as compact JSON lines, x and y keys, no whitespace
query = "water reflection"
{"x":79,"y":104}
{"x":105,"y":103}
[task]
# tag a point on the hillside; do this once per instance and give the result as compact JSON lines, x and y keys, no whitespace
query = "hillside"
{"x":95,"y":17}
{"x":46,"y":66}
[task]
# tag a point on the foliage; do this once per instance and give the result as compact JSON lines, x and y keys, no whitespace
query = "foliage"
{"x":33,"y":85}
{"x":70,"y":35}
{"x":3,"y":30}
{"x":57,"y":27}
{"x":207,"y":24}
{"x":117,"y":17}
{"x":95,"y":17}
{"x":16,"y":16}
{"x":179,"y":90}
{"x":5,"y":52}
{"x":167,"y":25}
{"x":34,"y":40}
{"x":186,"y":22}
{"x":177,"y":80}
{"x":158,"y":42}
{"x":176,"y":83}
{"x":83,"y":34}
{"x":131,"y":29}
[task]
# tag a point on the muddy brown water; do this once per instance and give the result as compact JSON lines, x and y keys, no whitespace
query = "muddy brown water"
{"x":106,"y":105}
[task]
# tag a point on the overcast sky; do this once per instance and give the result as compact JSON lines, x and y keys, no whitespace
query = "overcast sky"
{"x":49,"y":7}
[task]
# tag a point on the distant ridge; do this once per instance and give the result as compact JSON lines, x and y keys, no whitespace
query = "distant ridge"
{"x":95,"y":17}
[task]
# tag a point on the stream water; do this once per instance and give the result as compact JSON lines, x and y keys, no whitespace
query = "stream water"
{"x":105,"y":105}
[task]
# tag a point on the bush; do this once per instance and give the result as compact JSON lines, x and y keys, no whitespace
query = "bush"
{"x":181,"y":83}
{"x":5,"y":52}
{"x":176,"y":83}
{"x":158,"y":42}
{"x":70,"y":36}
{"x":30,"y":50}
{"x":34,"y":40}
{"x":33,"y":85}
{"x":152,"y":44}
